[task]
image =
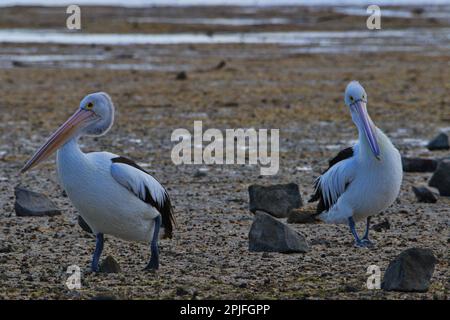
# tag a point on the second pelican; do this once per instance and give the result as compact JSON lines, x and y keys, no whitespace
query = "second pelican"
{"x":362,"y":180}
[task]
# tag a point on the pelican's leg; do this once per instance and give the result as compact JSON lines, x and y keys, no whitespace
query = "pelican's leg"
{"x":97,"y":252}
{"x":153,"y":264}
{"x":365,"y":239}
{"x":351,"y":224}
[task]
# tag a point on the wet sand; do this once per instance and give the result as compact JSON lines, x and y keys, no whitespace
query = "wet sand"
{"x":261,"y":86}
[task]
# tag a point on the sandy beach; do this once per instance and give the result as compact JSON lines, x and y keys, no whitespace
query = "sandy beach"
{"x":294,"y":83}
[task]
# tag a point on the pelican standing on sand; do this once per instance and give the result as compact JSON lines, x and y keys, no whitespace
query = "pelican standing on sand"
{"x":113,"y":194}
{"x":362,"y":180}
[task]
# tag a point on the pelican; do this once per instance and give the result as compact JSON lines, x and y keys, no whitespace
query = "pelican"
{"x":114,"y":195}
{"x":362,"y":180}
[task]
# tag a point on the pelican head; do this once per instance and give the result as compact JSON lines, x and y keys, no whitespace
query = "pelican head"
{"x":356,"y":100}
{"x":94,"y":117}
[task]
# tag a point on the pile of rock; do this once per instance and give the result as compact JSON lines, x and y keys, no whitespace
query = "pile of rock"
{"x":267,"y":234}
{"x":440,"y":168}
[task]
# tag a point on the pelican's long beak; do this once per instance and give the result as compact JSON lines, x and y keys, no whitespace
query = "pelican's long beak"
{"x":361,"y":109}
{"x":78,"y":120}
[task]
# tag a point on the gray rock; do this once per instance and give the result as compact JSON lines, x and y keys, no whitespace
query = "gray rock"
{"x":109,"y":265}
{"x":200,"y":173}
{"x":16,"y":63}
{"x":30,"y":203}
{"x":277,"y":200}
{"x":267,"y":234}
{"x":419,"y":164}
{"x":301,"y":217}
{"x":410,"y":271}
{"x":220,"y":65}
{"x":423,"y":194}
{"x":440,"y":142}
{"x":385,"y":225}
{"x":441,"y":178}
{"x":181,"y":291}
{"x":181,"y":75}
{"x":83,"y":224}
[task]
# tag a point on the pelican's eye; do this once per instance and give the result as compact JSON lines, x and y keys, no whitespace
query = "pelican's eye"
{"x":364,"y":97}
{"x":89,"y":106}
{"x":351,"y":98}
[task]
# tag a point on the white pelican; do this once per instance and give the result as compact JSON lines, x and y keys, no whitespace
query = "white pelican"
{"x":113,"y":194}
{"x":362,"y":180}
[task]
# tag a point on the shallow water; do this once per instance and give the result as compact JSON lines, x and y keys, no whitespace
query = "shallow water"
{"x":158,"y":46}
{"x":419,"y":37}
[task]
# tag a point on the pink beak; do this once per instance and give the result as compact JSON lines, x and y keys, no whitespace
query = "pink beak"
{"x":78,"y":120}
{"x":361,"y":109}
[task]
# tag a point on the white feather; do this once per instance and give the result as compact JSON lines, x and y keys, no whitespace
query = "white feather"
{"x":334,"y":181}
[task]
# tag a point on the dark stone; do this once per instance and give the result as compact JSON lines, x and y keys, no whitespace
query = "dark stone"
{"x":30,"y":203}
{"x":385,"y":225}
{"x":124,"y":56}
{"x":109,"y":265}
{"x":440,"y":142}
{"x":301,"y":217}
{"x":423,"y":194}
{"x":277,"y":200}
{"x":181,"y":291}
{"x":410,"y":271}
{"x":19,"y":64}
{"x":419,"y":164}
{"x":231,"y":104}
{"x":418,"y":11}
{"x":267,"y":234}
{"x":181,"y":75}
{"x":200,"y":173}
{"x":220,"y":65}
{"x":83,"y":224}
{"x":266,"y":255}
{"x":441,"y":178}
{"x":6,"y":248}
{"x":104,"y":297}
{"x":350,"y":288}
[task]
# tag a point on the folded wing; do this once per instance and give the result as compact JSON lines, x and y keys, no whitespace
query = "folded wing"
{"x":335,"y":180}
{"x":145,"y":187}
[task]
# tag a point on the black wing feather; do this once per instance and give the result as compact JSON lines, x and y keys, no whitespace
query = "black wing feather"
{"x":166,"y":210}
{"x":318,"y":195}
